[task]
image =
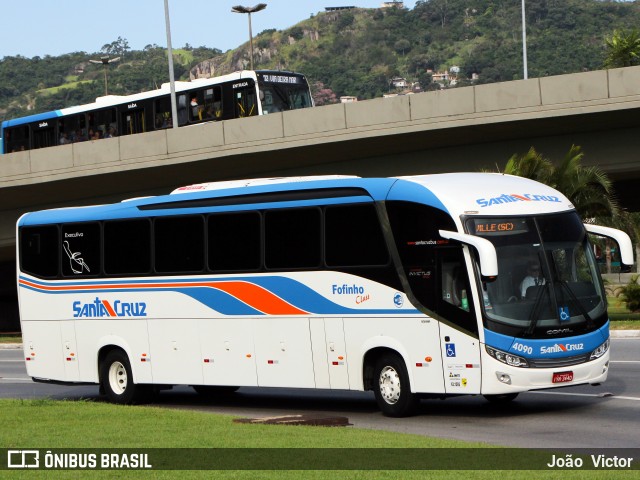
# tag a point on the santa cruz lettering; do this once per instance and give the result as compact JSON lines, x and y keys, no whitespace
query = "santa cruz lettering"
{"x":103,"y":308}
{"x":559,"y":348}
{"x":506,"y":198}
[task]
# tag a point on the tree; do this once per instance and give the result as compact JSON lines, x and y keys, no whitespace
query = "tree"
{"x":323,"y":95}
{"x":117,"y":47}
{"x":623,"y":49}
{"x":588,"y":188}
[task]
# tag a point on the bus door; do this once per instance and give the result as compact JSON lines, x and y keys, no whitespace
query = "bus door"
{"x":44,"y":134}
{"x":132,"y":120}
{"x":459,"y":333}
{"x":245,"y":99}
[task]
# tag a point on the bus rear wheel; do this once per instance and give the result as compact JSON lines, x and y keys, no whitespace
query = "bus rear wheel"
{"x":117,"y":380}
{"x":392,"y":387}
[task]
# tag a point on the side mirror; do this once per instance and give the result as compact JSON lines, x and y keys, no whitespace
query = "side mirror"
{"x":486,"y":252}
{"x":621,"y":238}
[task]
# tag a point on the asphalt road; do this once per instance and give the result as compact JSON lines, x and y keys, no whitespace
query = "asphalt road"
{"x":607,"y":416}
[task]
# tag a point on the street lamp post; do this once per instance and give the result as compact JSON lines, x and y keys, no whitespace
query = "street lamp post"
{"x":249,"y":11}
{"x":524,"y":43}
{"x":105,"y":61}
{"x":172,"y":79}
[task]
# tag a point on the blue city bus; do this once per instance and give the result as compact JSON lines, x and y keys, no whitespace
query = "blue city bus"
{"x":240,"y":94}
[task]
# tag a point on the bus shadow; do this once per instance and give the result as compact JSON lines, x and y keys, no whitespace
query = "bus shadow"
{"x":291,"y":401}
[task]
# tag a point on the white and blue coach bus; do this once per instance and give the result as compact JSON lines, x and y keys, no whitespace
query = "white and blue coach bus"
{"x":411,"y":287}
{"x":241,"y":94}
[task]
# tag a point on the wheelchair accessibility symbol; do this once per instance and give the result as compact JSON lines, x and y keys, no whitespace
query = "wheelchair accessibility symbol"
{"x":564,"y":314}
{"x":450,"y":349}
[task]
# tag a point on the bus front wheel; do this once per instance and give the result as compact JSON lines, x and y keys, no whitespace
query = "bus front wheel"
{"x":392,"y":388}
{"x":117,"y":380}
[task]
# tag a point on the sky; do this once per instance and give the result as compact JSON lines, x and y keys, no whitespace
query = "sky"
{"x":33,"y":28}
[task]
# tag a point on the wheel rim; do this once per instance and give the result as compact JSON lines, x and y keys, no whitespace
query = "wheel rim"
{"x":118,"y":378}
{"x":390,"y":385}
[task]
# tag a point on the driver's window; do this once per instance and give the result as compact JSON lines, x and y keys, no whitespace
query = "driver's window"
{"x":455,"y":304}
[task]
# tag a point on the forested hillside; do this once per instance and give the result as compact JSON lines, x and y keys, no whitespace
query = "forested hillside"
{"x":351,"y":52}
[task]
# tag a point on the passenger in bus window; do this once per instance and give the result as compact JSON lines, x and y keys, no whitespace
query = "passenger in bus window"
{"x":111,"y":132}
{"x":194,"y":107}
{"x":80,"y":136}
{"x":64,"y":138}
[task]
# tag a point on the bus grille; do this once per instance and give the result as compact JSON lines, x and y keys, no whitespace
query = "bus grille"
{"x":558,"y":362}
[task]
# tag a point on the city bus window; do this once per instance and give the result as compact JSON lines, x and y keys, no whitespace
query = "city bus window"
{"x":127,"y":247}
{"x":80,"y":249}
{"x":353,"y":236}
{"x":102,"y":122}
{"x":133,"y":122}
{"x":39,"y":251}
{"x":44,"y":136}
{"x":179,"y":244}
{"x":234,"y":242}
{"x":245,"y":100}
{"x":75,"y":128}
{"x":292,"y":238}
{"x":163,"y":117}
{"x":212,"y":103}
{"x":17,"y":139}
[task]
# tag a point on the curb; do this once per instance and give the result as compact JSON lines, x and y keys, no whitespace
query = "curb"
{"x":624,"y":333}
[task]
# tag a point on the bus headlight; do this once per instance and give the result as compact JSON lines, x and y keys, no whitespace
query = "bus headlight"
{"x":600,"y":351}
{"x":508,"y":358}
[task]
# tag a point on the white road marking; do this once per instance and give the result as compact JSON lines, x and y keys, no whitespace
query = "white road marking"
{"x":598,"y":395}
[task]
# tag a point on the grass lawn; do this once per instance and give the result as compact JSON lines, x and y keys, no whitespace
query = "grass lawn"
{"x":49,"y":424}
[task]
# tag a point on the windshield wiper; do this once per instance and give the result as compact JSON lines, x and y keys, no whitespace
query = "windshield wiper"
{"x":533,"y":316}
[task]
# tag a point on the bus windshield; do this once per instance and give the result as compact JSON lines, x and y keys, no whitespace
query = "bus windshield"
{"x":548,"y":281}
{"x":281,"y":97}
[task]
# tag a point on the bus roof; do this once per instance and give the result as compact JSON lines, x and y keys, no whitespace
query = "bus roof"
{"x":455,"y":193}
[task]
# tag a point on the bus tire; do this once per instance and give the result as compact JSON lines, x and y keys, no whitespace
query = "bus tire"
{"x":212,"y":391}
{"x":501,"y":399}
{"x":117,"y":380}
{"x":392,"y":387}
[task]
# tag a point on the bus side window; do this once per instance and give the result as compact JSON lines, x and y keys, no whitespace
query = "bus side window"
{"x":235,"y":241}
{"x":39,"y":251}
{"x":293,"y":238}
{"x":127,"y":247}
{"x":81,"y":249}
{"x":179,"y":244}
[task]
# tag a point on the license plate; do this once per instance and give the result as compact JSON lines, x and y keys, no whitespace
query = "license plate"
{"x":562,"y":377}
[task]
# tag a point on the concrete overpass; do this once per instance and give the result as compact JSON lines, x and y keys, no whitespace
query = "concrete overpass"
{"x":463,"y":129}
